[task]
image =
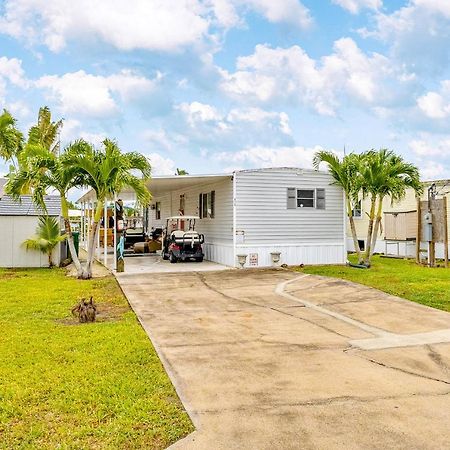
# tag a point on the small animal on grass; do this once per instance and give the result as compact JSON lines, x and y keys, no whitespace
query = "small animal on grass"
{"x":86,"y":310}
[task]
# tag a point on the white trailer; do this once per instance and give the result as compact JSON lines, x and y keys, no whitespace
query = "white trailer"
{"x":272,"y":216}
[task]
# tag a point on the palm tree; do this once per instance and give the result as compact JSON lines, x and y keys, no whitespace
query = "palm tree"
{"x":384,"y":174}
{"x":345,"y":173}
{"x":45,"y":133}
{"x":11,"y":138}
{"x":47,"y":171}
{"x":107,"y":171}
{"x":47,"y":237}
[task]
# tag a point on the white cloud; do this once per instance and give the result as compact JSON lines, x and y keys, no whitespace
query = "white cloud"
{"x":417,"y":34}
{"x":156,"y":25}
{"x":94,"y":95}
{"x":436,"y":105}
{"x":287,"y":11}
{"x":433,"y":170}
{"x":432,"y":155}
{"x":427,"y":146}
{"x":199,"y":112}
{"x":73,"y":129}
{"x":259,"y":156}
{"x":11,"y":72}
{"x":290,"y":75}
{"x":146,"y":24}
{"x":355,"y":6}
{"x":209,"y":127}
{"x":161,"y":165}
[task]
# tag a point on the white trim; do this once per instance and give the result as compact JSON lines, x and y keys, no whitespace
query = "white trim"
{"x":296,"y":244}
{"x":345,"y":224}
{"x":234,"y":218}
{"x":105,"y":234}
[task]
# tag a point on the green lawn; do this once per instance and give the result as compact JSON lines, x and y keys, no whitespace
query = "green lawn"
{"x":65,"y":385}
{"x":403,"y":278}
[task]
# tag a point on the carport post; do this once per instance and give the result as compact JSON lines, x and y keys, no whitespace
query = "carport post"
{"x":105,"y":234}
{"x":98,"y":235}
{"x":115,"y":233}
{"x":88,"y":234}
{"x":81,"y":223}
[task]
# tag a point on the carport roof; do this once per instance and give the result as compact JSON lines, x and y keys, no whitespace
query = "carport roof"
{"x":161,"y":184}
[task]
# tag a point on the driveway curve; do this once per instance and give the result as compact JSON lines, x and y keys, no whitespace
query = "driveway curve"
{"x":270,"y":359}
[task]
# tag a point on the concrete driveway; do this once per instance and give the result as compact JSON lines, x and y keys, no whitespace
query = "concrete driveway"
{"x":257,"y":369}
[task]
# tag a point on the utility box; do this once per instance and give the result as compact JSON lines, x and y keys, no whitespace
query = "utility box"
{"x":400,"y":226}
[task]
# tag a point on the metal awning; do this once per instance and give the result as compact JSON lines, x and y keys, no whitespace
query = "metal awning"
{"x":161,"y":184}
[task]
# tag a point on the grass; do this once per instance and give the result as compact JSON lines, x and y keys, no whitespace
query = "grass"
{"x":72,"y":386}
{"x":403,"y":278}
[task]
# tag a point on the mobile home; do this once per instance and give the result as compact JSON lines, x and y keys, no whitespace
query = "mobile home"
{"x":293,"y":214}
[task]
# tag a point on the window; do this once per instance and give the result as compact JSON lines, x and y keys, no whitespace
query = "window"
{"x":158,"y":210}
{"x":357,"y":210}
{"x":305,"y":198}
{"x":182,"y":203}
{"x":207,"y":205}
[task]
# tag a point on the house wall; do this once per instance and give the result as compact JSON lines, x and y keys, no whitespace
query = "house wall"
{"x":218,"y":231}
{"x":14,"y":230}
{"x":302,"y":235}
{"x":409,"y":203}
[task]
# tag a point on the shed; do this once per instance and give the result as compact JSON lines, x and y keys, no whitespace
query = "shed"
{"x":400,"y":225}
{"x":295,"y":212}
{"x":18,"y":221}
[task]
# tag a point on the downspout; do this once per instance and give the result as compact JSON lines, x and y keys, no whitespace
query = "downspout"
{"x":234,"y":219}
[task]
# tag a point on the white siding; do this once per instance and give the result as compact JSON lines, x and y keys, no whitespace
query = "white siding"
{"x":14,"y":230}
{"x":218,"y":231}
{"x":302,"y":235}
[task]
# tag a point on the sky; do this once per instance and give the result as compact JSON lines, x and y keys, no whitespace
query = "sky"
{"x":211,"y":86}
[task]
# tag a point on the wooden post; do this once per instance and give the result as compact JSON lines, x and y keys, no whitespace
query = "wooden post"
{"x":432,"y":246}
{"x":419,"y":231}
{"x":445,"y":233}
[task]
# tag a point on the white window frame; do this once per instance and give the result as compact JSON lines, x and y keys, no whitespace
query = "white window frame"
{"x":318,"y":199}
{"x":207,"y":205}
{"x":313,"y":198}
{"x":360,"y":209}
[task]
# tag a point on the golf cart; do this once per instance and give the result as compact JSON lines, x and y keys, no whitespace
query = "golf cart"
{"x":181,"y":241}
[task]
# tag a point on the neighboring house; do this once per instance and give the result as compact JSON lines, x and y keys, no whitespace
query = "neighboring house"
{"x":18,"y":221}
{"x":296,"y":212}
{"x":400,"y":247}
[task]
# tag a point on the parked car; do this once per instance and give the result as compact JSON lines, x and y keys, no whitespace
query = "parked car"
{"x":180,"y":240}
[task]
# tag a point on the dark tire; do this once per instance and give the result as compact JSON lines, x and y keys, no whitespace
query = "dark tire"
{"x":173,"y":259}
{"x":199,"y":259}
{"x":165,"y":257}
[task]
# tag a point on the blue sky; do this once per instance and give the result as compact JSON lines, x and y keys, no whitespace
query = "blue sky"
{"x":216,"y":85}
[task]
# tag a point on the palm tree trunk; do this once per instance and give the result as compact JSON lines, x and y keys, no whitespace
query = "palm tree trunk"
{"x":49,"y":255}
{"x":370,"y":231}
{"x":68,"y":229}
{"x":353,"y":229}
{"x":376,"y":228}
{"x":87,"y":271}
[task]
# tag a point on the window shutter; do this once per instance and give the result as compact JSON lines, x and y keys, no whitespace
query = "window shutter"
{"x":200,"y":206}
{"x":320,"y":198}
{"x":291,"y":198}
{"x":213,"y":203}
